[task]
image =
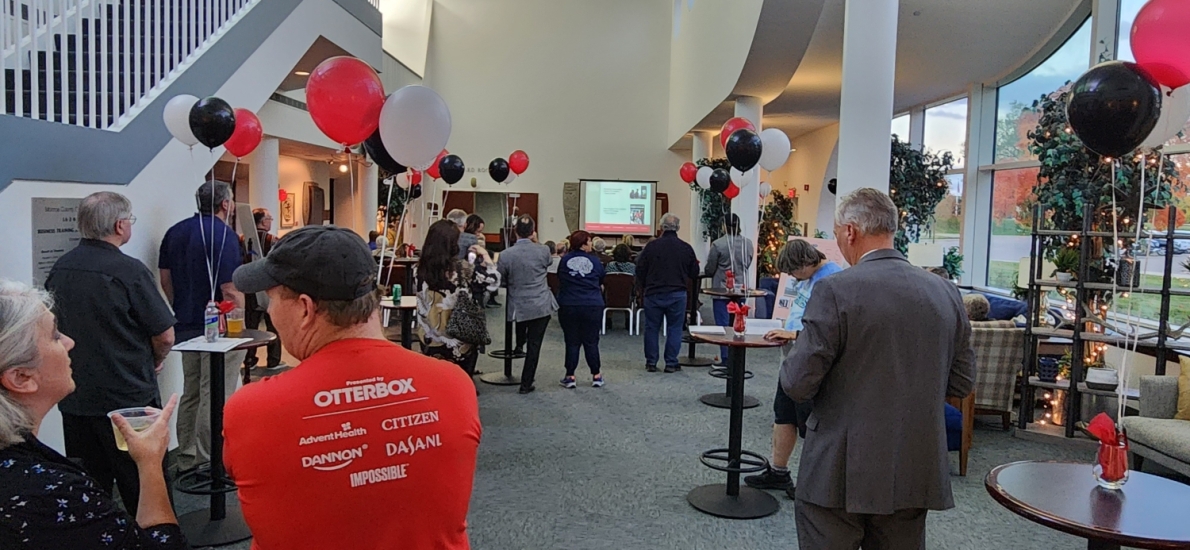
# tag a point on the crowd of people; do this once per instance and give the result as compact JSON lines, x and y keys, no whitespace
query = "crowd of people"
{"x":363,"y":424}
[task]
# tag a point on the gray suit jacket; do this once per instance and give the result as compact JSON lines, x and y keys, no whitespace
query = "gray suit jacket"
{"x":523,"y":267}
{"x":884,"y":344}
{"x":728,"y":252}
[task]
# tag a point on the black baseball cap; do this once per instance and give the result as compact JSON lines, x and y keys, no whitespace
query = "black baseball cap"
{"x":324,"y":262}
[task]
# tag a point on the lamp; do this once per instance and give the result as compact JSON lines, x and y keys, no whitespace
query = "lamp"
{"x":925,"y":255}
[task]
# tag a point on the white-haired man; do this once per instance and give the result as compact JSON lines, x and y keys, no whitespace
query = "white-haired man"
{"x":880,"y":337}
{"x":664,"y":270}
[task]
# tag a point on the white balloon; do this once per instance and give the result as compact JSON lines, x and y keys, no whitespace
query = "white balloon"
{"x":511,"y":177}
{"x":1175,"y":111}
{"x":177,"y":118}
{"x":774,"y":149}
{"x":737,"y":177}
{"x":403,"y":180}
{"x":414,"y":125}
{"x":765,"y":189}
{"x":703,"y":176}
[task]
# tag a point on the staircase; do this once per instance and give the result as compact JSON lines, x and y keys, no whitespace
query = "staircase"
{"x":97,"y":63}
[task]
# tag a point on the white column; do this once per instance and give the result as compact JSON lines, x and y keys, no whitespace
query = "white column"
{"x":370,"y":189}
{"x":703,"y":149}
{"x":264,"y":180}
{"x":869,"y":61}
{"x":747,"y":204}
{"x":917,"y":128}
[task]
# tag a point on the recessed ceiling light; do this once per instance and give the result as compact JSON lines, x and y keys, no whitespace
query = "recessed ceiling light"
{"x":302,"y":73}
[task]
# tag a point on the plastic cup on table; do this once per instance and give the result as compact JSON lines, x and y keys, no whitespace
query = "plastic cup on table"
{"x":139,"y":418}
{"x":235,"y":321}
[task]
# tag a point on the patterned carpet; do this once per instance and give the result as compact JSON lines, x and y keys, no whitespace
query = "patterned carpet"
{"x":610,"y":467}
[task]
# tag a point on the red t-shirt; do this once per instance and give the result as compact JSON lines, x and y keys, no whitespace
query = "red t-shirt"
{"x":364,"y":445}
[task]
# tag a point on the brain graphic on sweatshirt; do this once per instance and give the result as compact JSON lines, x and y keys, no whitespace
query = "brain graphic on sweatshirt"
{"x":580,"y":265}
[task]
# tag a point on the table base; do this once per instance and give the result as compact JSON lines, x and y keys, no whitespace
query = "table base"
{"x":499,"y":379}
{"x":201,"y":530}
{"x":499,"y":354}
{"x":749,"y":504}
{"x":723,"y":401}
{"x":695,"y":361}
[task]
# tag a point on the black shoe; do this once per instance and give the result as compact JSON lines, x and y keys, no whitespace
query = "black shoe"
{"x":493,"y":303}
{"x":673,"y":369}
{"x":770,"y":479}
{"x":519,"y":351}
{"x":790,"y":492}
{"x":651,"y":368}
{"x":523,"y":390}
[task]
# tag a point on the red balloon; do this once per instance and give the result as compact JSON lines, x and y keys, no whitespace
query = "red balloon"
{"x":414,"y":177}
{"x":1160,"y":41}
{"x":518,"y":162}
{"x":432,"y":171}
{"x":344,"y":97}
{"x":731,"y":126}
{"x":282,"y":195}
{"x":688,"y":172}
{"x":732,"y":191}
{"x":247,"y":134}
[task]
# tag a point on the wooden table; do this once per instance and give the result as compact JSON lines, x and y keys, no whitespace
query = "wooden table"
{"x":1149,"y":512}
{"x":730,"y":500}
{"x":406,"y":306}
{"x":217,"y":525}
{"x":723,"y":400}
{"x":733,"y":295}
{"x":407,"y":287}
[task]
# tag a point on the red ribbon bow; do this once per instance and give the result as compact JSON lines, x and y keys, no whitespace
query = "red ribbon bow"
{"x":737,"y":308}
{"x":226,"y":306}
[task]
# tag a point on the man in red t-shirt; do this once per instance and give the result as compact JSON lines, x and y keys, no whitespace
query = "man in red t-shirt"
{"x":363,"y":445}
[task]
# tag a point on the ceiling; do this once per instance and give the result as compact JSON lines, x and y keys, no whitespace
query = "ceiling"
{"x":320,"y":51}
{"x":306,"y":151}
{"x":942,"y":47}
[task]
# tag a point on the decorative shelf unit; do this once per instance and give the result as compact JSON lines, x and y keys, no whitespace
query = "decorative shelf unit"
{"x":1038,"y":285}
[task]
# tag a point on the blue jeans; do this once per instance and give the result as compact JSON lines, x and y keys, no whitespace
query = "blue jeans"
{"x":672,"y":307}
{"x":723,"y":319}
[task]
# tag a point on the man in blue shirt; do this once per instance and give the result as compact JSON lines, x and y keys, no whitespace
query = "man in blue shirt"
{"x":197,"y":258}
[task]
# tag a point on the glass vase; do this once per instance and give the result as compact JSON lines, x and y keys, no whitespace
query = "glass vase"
{"x":740,"y":324}
{"x":1111,"y":464}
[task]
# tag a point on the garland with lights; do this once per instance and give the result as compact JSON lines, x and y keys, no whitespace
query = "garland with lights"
{"x":775,"y":229}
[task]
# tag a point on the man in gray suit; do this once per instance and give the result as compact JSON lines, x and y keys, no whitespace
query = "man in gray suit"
{"x":731,"y":251}
{"x":884,"y":344}
{"x":529,"y":301}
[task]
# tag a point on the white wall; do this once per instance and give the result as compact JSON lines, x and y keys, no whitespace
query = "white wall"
{"x":582,"y":87}
{"x":407,"y":31}
{"x":810,"y":164}
{"x":292,"y":175}
{"x":163,"y":193}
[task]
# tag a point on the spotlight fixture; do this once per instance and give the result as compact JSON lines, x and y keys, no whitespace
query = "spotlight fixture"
{"x":302,"y":73}
{"x":343,"y":168}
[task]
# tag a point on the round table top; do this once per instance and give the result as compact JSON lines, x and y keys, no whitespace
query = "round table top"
{"x":259,"y":338}
{"x":1149,"y":512}
{"x":407,"y":302}
{"x":724,"y":293}
{"x":407,"y":261}
{"x":728,"y":338}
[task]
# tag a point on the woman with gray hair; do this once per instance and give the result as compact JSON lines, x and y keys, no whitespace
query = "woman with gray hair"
{"x":46,"y":501}
{"x":807,"y":265}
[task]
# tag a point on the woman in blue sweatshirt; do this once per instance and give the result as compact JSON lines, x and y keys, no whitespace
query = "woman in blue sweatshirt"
{"x":580,"y":303}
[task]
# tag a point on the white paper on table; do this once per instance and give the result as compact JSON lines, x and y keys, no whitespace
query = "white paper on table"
{"x":760,"y":327}
{"x":707,"y":329}
{"x":221,"y":345}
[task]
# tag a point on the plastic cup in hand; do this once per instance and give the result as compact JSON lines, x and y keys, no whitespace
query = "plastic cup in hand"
{"x":235,"y":321}
{"x":140,"y":418}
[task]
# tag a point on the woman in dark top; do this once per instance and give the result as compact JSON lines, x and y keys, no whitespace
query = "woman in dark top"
{"x":46,"y":501}
{"x":621,"y":260}
{"x":580,"y":306}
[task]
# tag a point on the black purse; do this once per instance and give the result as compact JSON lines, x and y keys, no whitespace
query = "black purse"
{"x":468,"y":322}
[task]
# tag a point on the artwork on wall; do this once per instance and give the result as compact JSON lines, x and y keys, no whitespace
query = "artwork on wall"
{"x":287,"y":213}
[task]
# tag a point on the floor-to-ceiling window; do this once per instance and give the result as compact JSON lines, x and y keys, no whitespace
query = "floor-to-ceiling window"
{"x":900,"y":127}
{"x":946,"y":132}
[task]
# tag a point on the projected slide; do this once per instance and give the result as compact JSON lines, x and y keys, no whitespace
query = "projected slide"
{"x":618,"y":206}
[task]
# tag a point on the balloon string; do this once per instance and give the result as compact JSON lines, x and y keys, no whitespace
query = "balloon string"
{"x":206,"y":259}
{"x":388,"y":216}
{"x":351,"y":179}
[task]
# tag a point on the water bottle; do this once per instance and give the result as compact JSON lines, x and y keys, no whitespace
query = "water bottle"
{"x":211,"y":322}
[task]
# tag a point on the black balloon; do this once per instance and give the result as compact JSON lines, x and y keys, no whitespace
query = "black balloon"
{"x":415,"y":192}
{"x":743,"y":149}
{"x":720,"y":180}
{"x":1113,"y":107}
{"x":213,"y":121}
{"x":375,"y":148}
{"x":498,"y":169}
{"x":451,"y":169}
{"x":833,"y":186}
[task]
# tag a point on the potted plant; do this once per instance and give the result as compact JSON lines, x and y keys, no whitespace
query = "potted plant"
{"x":1066,"y":264}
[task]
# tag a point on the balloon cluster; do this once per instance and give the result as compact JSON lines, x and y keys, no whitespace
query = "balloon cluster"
{"x":212,"y":122}
{"x":745,"y":150}
{"x":506,"y":171}
{"x":1118,"y":106}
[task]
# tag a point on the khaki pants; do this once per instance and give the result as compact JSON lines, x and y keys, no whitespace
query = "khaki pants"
{"x":194,"y":408}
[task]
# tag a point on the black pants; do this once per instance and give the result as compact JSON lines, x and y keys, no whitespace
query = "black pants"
{"x":580,"y":328}
{"x":91,"y":440}
{"x":521,"y":331}
{"x":466,"y":362}
{"x":252,"y":318}
{"x":534,"y":334}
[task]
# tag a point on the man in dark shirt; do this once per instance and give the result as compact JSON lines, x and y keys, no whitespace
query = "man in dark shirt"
{"x":197,"y":258}
{"x":664,"y":269}
{"x":122,"y":331}
{"x":255,"y":310}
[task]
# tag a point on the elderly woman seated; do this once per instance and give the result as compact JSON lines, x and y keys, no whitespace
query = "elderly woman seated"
{"x":47,"y":501}
{"x":977,"y":307}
